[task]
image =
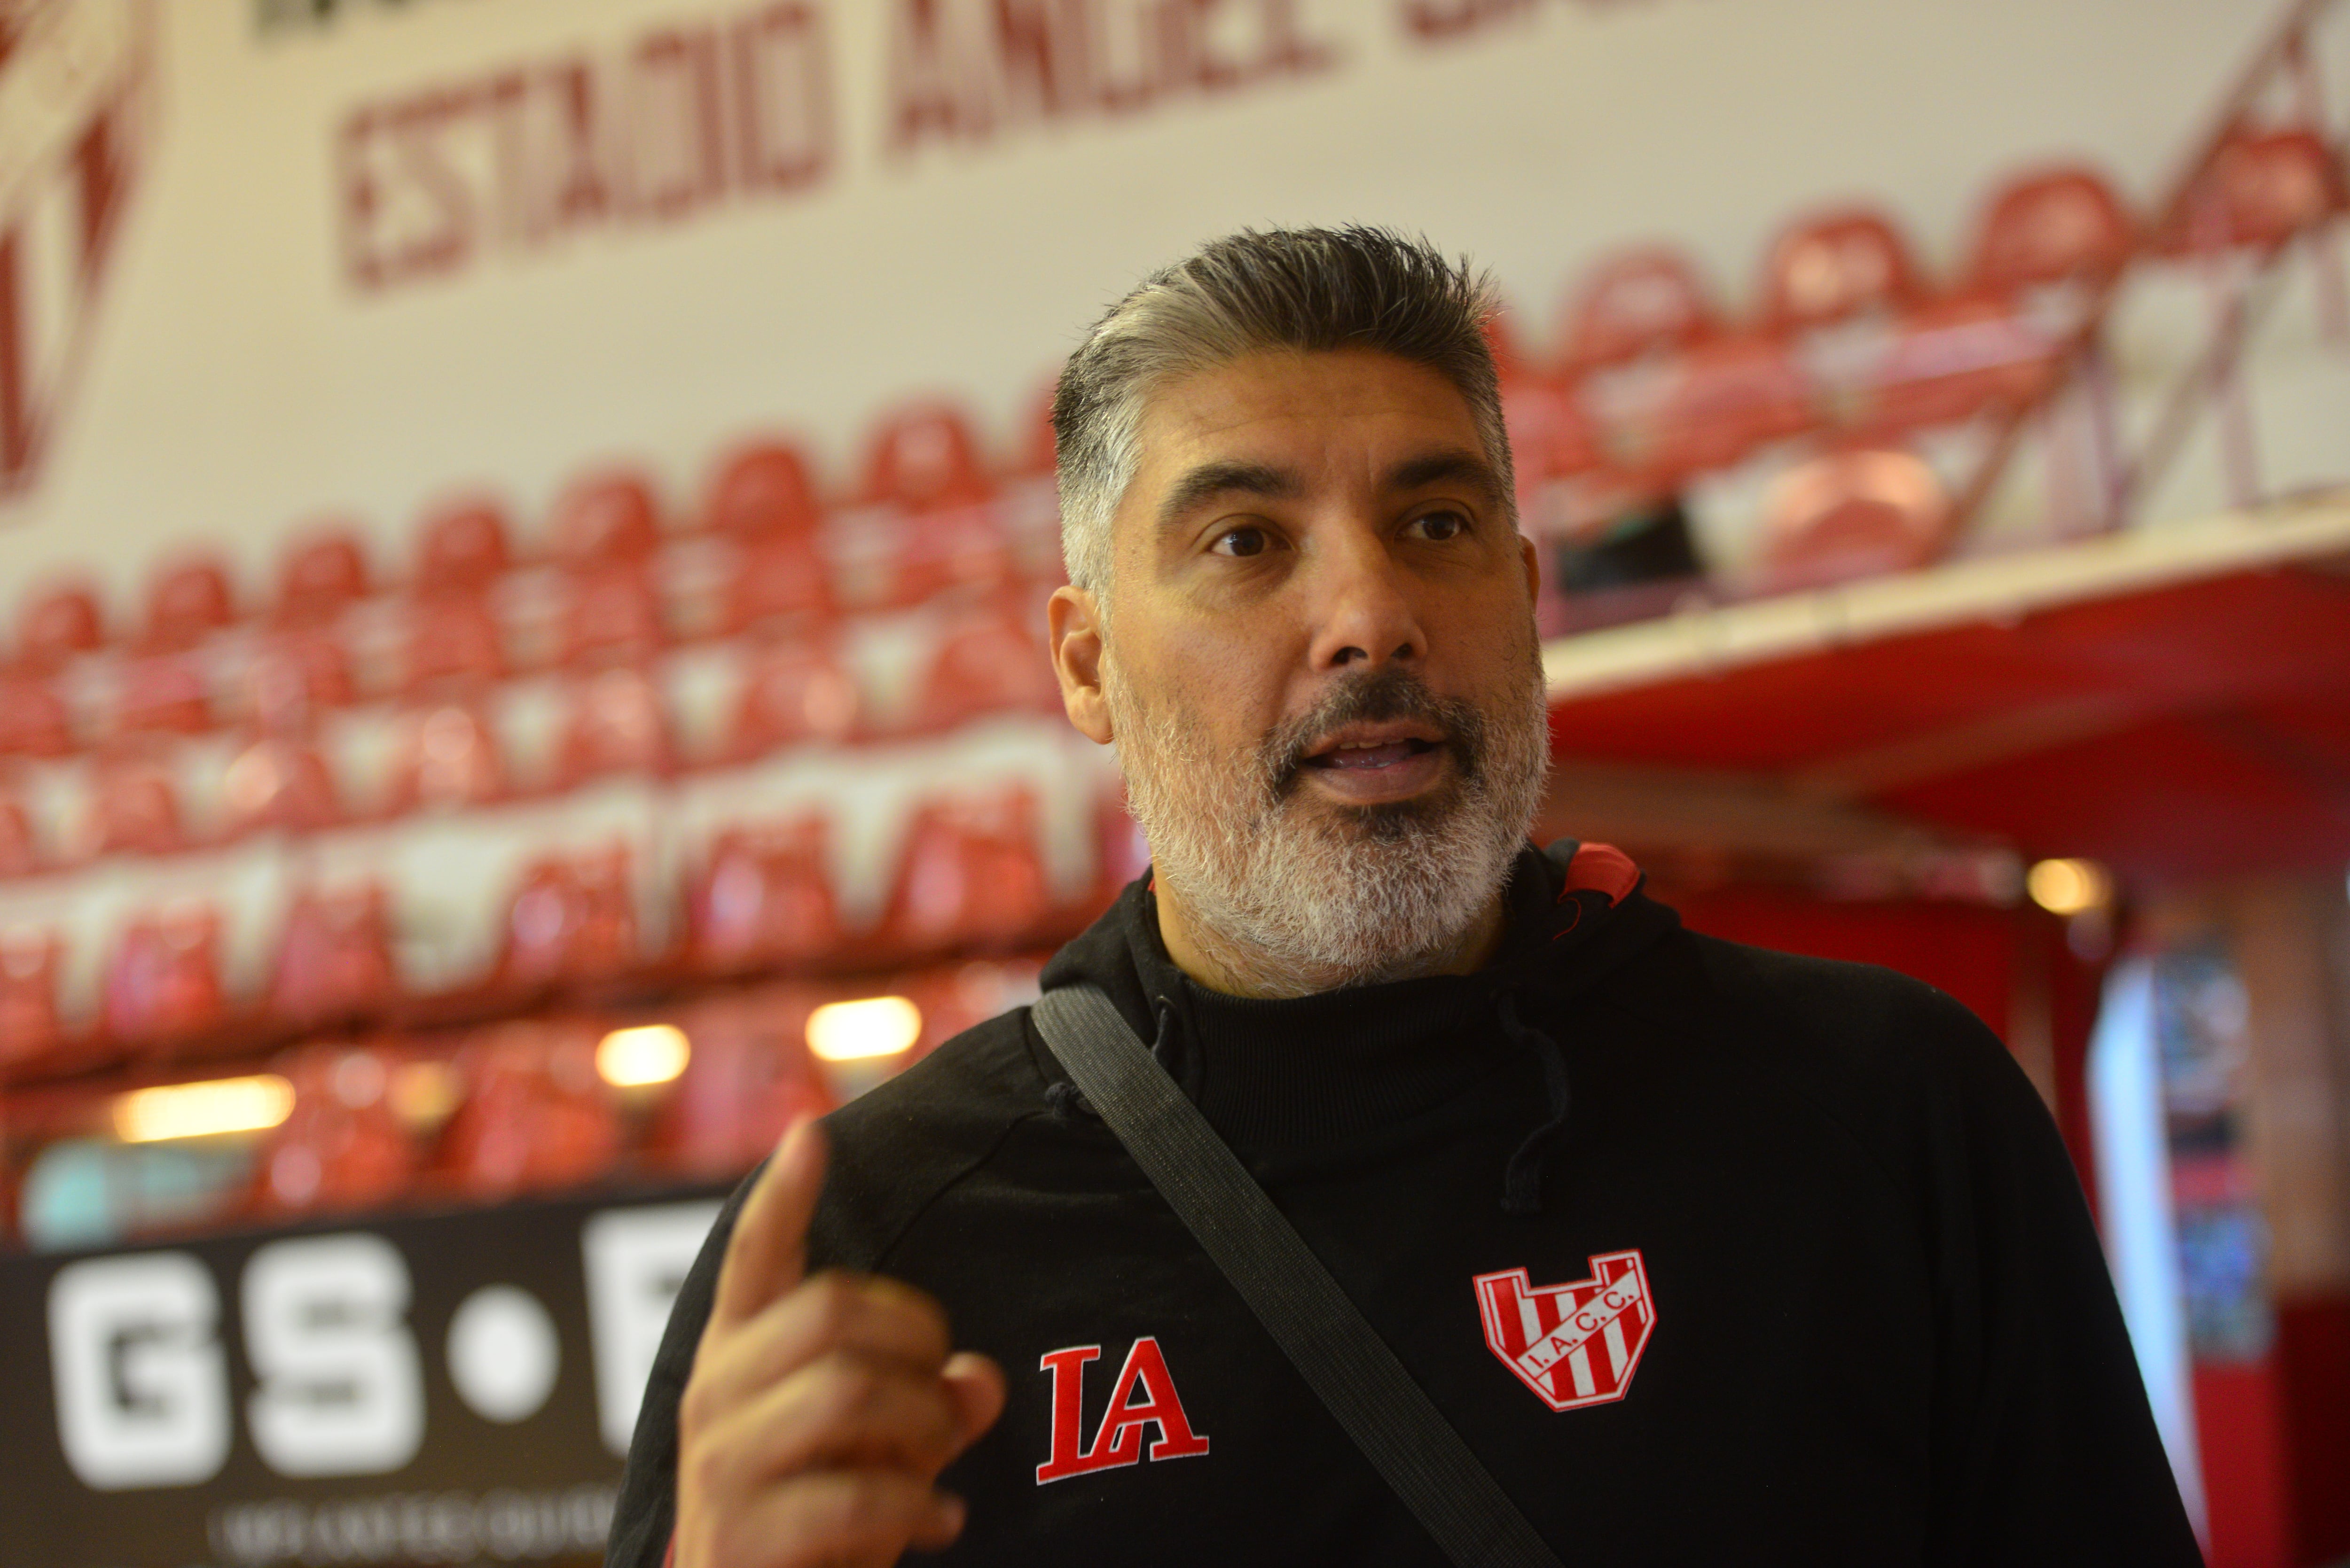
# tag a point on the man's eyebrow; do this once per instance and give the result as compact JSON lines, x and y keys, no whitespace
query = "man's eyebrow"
{"x":1212,"y":480}
{"x":1457,"y":466}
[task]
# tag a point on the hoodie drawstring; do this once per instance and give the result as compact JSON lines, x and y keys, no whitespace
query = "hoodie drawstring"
{"x":1521,"y":1181}
{"x":1164,"y":1049}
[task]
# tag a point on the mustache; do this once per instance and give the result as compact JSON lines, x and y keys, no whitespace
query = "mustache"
{"x":1382,"y":697}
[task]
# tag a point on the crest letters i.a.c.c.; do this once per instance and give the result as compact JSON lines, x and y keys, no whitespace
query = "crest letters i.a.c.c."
{"x":1577,"y":1343}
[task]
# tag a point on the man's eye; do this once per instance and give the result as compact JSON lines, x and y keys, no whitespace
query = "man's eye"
{"x":1241,"y":542}
{"x":1440,"y":526}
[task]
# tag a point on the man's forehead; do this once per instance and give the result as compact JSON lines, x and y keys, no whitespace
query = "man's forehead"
{"x":1270,"y":394}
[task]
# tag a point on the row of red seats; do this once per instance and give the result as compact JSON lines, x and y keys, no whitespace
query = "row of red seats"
{"x":450,"y":755}
{"x":523,"y":1105}
{"x":1653,"y":385}
{"x":934,"y":507}
{"x":969,"y":876}
{"x":1713,"y":392}
{"x":984,"y":655}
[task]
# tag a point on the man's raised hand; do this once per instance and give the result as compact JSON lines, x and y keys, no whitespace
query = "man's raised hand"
{"x":820,"y":1410}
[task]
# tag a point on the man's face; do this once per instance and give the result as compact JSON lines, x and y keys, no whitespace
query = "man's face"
{"x":1320,"y":666}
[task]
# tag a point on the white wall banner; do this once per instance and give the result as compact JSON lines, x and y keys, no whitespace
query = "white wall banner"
{"x":267,"y":259}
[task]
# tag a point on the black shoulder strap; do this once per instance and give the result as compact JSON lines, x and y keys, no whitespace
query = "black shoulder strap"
{"x":1315,"y":1322}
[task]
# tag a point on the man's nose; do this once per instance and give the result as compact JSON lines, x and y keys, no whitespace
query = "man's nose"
{"x":1364,"y":617}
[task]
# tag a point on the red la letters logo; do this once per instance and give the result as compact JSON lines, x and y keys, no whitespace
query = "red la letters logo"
{"x":1574,"y":1345}
{"x":1120,"y":1440}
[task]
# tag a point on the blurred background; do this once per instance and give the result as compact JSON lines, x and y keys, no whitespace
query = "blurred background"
{"x":524,"y":526}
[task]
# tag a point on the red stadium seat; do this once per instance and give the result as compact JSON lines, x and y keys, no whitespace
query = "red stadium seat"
{"x":925,"y":465}
{"x":1837,"y":265}
{"x":970,"y":875}
{"x":922,"y":458}
{"x":463,"y":548}
{"x":20,"y":855}
{"x":333,"y":958}
{"x":765,"y":899}
{"x":1029,"y":507}
{"x":343,"y":1147}
{"x":163,"y":982}
{"x":748,"y":1078}
{"x":762,"y":492}
{"x":956,"y":997}
{"x":56,"y":624}
{"x":1552,"y":437}
{"x":617,"y":723}
{"x":990,"y":659}
{"x":291,"y":678}
{"x":794,"y":694}
{"x":1636,"y":304}
{"x":780,"y":580}
{"x":2051,"y":226}
{"x":942,"y":551}
{"x":1952,"y":360}
{"x":187,"y":603}
{"x":2259,"y":190}
{"x":1719,"y":401}
{"x":320,"y":578}
{"x":447,"y":756}
{"x":164,"y":694}
{"x":603,"y":520}
{"x":1122,"y":853}
{"x":281,"y":783}
{"x":34,"y":721}
{"x":134,"y":808}
{"x":534,"y":1116}
{"x":1511,"y":360}
{"x":1037,"y":450}
{"x":1851,"y":514}
{"x":574,"y":920}
{"x":453,"y":643}
{"x":611,"y":614}
{"x":30,"y":957}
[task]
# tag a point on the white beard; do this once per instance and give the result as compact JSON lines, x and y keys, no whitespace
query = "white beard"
{"x":1296,"y":894}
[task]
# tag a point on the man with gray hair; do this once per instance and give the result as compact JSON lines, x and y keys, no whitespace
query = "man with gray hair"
{"x":1633,"y":1245}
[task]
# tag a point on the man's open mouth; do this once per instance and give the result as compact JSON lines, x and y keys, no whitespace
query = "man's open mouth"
{"x":1379,"y":756}
{"x":1367,"y":748}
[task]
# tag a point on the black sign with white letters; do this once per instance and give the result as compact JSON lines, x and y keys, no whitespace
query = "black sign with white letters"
{"x":453,"y":1387}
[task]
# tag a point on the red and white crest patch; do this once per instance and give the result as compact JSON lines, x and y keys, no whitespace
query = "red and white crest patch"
{"x":1574,"y":1345}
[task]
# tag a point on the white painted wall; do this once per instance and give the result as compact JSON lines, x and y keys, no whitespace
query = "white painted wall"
{"x":238,"y":383}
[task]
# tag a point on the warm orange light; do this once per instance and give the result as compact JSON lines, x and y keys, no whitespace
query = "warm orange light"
{"x":871,"y":1026}
{"x":2069,"y":887}
{"x":208,"y":1109}
{"x":637,"y":1058}
{"x":425,"y":1094}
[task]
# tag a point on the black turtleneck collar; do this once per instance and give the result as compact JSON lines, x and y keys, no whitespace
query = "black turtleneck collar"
{"x":1289,"y":1076}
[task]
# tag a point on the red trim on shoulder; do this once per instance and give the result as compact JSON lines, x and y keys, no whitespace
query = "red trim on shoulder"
{"x":668,"y":1558}
{"x":1601,"y":869}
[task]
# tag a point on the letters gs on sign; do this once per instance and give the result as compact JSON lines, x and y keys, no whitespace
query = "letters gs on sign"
{"x":138,"y":1350}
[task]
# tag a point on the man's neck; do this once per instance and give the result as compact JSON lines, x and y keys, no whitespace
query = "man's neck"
{"x":1221,"y":963}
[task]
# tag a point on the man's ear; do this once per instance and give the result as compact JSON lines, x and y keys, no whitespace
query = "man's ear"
{"x":1531,"y":556}
{"x":1072,"y":623}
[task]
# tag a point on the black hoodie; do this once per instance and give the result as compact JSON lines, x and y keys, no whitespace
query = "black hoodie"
{"x":1711,"y":1254}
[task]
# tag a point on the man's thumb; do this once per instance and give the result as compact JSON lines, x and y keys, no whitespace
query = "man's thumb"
{"x":767,"y":1253}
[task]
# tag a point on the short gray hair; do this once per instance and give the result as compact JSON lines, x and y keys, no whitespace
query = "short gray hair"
{"x":1307,"y":289}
